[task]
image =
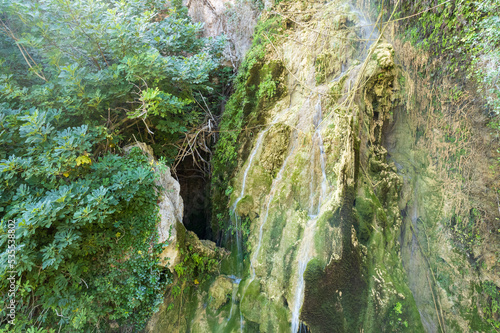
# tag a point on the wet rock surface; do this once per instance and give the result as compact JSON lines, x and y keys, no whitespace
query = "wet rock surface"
{"x":343,"y":207}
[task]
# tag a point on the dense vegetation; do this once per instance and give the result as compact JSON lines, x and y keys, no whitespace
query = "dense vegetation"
{"x":254,"y":86}
{"x":78,"y":79}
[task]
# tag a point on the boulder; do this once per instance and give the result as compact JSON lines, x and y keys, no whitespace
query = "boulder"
{"x":220,"y":291}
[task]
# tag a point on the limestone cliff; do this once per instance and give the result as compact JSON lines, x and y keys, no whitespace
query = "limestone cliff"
{"x":355,"y":183}
{"x":235,"y":19}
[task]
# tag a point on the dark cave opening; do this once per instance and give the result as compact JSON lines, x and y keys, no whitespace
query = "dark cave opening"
{"x":195,"y":195}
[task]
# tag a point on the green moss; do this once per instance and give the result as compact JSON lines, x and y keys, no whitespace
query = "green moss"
{"x":252,"y":301}
{"x":399,"y":318}
{"x":219,"y":292}
{"x":335,"y":297}
{"x":477,"y":323}
{"x":244,"y":205}
{"x":288,"y":261}
{"x":323,"y":238}
{"x":326,"y":63}
{"x":365,"y":211}
{"x":299,"y":177}
{"x":242,"y":110}
{"x":277,"y":225}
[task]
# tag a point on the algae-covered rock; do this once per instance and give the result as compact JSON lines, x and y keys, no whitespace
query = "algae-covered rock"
{"x":203,"y":248}
{"x":220,"y":292}
{"x":384,"y":54}
{"x":338,"y":195}
{"x":252,"y":302}
{"x":273,"y":154}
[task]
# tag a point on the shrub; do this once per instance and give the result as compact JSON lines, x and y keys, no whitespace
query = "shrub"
{"x":85,"y":237}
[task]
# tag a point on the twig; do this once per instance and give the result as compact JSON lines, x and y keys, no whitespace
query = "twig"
{"x":85,"y":283}
{"x":21,"y":48}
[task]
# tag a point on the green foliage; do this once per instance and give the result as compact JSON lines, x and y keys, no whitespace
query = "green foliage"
{"x":465,"y":230}
{"x":491,"y":307}
{"x":32,"y":330}
{"x":76,"y":79}
{"x":111,"y":61}
{"x":396,"y":320}
{"x":86,"y":247}
{"x":194,"y":267}
{"x":241,"y":109}
{"x":267,"y":88}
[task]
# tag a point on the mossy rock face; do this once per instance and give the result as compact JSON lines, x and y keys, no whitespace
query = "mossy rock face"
{"x":262,"y":314}
{"x":276,"y":145}
{"x":252,"y":302}
{"x":276,"y":70}
{"x":264,"y":85}
{"x":326,"y":64}
{"x":381,"y":232}
{"x":384,"y":55}
{"x":204,"y":248}
{"x":365,"y":212}
{"x":245,"y":205}
{"x":335,"y":296}
{"x":220,"y":292}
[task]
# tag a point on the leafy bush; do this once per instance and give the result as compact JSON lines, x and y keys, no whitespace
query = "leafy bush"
{"x":107,"y":62}
{"x":76,"y":77}
{"x":492,"y":307}
{"x":85,"y":237}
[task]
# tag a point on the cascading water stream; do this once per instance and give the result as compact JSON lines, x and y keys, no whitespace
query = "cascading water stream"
{"x":237,"y":224}
{"x":369,"y":31}
{"x":272,"y":192}
{"x":305,"y":250}
{"x":234,"y":215}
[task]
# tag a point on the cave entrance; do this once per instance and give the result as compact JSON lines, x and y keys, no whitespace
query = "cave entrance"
{"x":195,"y":195}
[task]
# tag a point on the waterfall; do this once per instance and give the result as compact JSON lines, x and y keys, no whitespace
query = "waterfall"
{"x":253,"y":259}
{"x":274,"y":186}
{"x":237,"y":224}
{"x":234,"y":215}
{"x":369,"y":31}
{"x":305,"y":250}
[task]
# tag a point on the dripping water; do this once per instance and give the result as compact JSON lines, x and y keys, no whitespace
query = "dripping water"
{"x":253,"y":259}
{"x":236,"y":221}
{"x":369,"y":31}
{"x":305,"y":251}
{"x":276,"y":181}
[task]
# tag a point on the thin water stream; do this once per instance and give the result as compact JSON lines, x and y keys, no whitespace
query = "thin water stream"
{"x":272,"y":192}
{"x":253,"y":259}
{"x":237,"y":225}
{"x":307,"y":241}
